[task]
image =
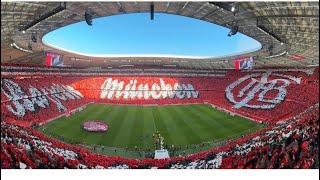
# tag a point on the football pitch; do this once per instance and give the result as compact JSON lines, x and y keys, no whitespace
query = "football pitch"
{"x":132,"y":127}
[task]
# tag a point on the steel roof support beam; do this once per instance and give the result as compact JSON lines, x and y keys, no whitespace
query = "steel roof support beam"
{"x":45,"y":16}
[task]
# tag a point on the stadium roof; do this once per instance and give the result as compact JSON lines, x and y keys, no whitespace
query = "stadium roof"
{"x":288,"y":31}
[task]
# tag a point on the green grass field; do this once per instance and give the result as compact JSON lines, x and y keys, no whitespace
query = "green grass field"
{"x":133,"y":126}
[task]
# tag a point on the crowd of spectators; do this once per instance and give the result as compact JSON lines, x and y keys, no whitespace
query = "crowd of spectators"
{"x":289,"y":141}
{"x":37,"y":99}
{"x":288,"y":144}
{"x":211,"y":90}
{"x":17,"y":69}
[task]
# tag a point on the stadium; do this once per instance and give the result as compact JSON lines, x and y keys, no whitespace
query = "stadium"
{"x":255,"y":110}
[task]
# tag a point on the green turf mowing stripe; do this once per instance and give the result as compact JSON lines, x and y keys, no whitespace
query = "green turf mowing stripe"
{"x":226,"y":123}
{"x":200,"y":122}
{"x":117,"y":126}
{"x":174,"y":130}
{"x":165,"y":125}
{"x":209,"y":116}
{"x":105,"y":138}
{"x":148,"y":127}
{"x":182,"y":115}
{"x":123,"y":137}
{"x":136,"y":136}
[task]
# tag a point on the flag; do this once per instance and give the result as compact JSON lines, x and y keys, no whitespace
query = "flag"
{"x":243,"y":63}
{"x":53,"y":59}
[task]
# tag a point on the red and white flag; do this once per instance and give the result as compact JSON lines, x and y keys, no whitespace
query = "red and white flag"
{"x":243,"y":63}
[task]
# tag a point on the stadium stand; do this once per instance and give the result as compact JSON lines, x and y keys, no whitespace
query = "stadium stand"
{"x":289,"y":141}
{"x":35,"y":95}
{"x":289,"y":144}
{"x":281,"y":91}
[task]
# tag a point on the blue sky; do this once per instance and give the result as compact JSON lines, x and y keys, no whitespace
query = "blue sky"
{"x":136,"y":34}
